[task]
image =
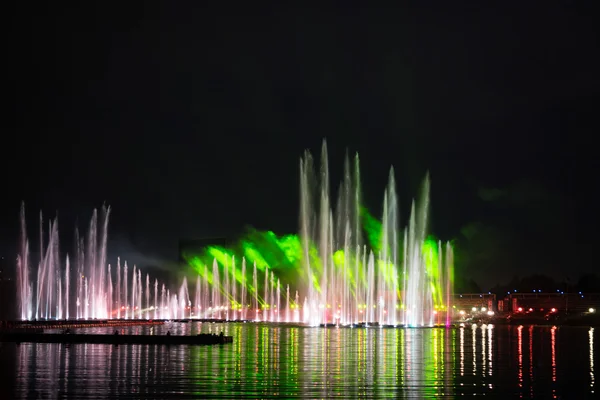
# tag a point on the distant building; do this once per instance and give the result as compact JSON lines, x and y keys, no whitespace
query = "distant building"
{"x":468,"y":301}
{"x":198,"y":245}
{"x":577,"y":302}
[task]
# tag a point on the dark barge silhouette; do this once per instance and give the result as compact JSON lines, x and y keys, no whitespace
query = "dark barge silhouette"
{"x":115,"y":339}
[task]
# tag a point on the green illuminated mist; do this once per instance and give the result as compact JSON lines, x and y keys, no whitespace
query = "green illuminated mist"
{"x":284,"y":256}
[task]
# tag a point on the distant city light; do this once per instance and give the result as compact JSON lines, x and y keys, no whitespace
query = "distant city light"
{"x":592,"y":310}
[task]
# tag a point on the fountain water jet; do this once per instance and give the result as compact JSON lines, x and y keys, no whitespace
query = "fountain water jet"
{"x":384,"y":290}
{"x":388,"y":277}
{"x":94,"y":294}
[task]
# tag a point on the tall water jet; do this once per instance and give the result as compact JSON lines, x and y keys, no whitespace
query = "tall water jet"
{"x":198,"y":296}
{"x":156,"y":310}
{"x":296,"y":308}
{"x":147,"y":296}
{"x":163,"y":302}
{"x":272,"y":304}
{"x":134,"y":284}
{"x":226,"y":288}
{"x":255,"y":289}
{"x":449,"y":280}
{"x":119,"y":288}
{"x":278,"y":310}
{"x":109,"y":295}
{"x":23,"y":283}
{"x":184,"y":297}
{"x":266,"y":298}
{"x":103,"y":309}
{"x":287,"y":304}
{"x":419,"y":307}
{"x":139,"y":293}
{"x":390,"y":242}
{"x":233,"y":290}
{"x":216,"y":291}
{"x":125,"y":290}
{"x":91,"y":262}
{"x":306,"y":222}
{"x":243,"y":289}
{"x":205,"y":293}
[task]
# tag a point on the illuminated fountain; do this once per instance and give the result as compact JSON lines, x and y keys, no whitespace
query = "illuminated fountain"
{"x":344,"y":268}
{"x":84,"y":287}
{"x":403,"y":278}
{"x":349,"y":267}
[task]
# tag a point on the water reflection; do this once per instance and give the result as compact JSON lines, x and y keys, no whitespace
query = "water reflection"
{"x":592,"y":378}
{"x":462,"y":351}
{"x":530,"y":361}
{"x":553,"y":352}
{"x":287,"y":361}
{"x":520,"y":357}
{"x":474,"y":344}
{"x":490,"y":363}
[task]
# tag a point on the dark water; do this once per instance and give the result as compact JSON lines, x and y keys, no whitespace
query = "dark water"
{"x":282,"y":361}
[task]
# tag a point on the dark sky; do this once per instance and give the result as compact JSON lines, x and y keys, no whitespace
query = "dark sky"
{"x":190,"y":121}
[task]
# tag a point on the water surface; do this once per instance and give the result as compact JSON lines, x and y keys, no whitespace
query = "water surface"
{"x":268,"y":361}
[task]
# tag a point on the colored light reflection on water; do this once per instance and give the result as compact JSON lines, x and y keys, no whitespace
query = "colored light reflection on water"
{"x":592,"y":376}
{"x":290,"y":361}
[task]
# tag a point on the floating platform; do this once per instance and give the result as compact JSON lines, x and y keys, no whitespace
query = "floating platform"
{"x":200,"y":339}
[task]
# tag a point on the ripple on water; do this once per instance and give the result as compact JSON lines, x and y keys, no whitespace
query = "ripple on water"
{"x":268,"y":361}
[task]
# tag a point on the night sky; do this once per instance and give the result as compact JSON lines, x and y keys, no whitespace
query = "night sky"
{"x":190,"y":122}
